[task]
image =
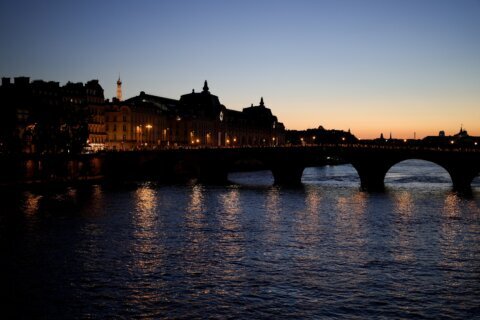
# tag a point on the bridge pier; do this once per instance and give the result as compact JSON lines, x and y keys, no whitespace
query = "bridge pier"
{"x":212,"y":173}
{"x":372,"y":174}
{"x":462,"y":177}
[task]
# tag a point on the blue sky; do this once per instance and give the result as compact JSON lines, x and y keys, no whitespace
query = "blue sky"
{"x":371,"y":66}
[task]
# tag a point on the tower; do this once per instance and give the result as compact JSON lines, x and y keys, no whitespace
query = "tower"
{"x":119,"y":89}
{"x":261,"y":102}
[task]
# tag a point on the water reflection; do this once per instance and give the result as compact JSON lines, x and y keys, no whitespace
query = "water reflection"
{"x":404,"y":205}
{"x":145,"y":251}
{"x":451,"y":206}
{"x":197,"y":241}
{"x":350,"y":210}
{"x":452,"y":234}
{"x":273,"y":214}
{"x":32,"y":202}
{"x":196,"y":204}
{"x":307,"y":222}
{"x":231,"y":238}
{"x":195,"y":216}
{"x":403,"y":240}
{"x":230,"y":208}
{"x":313,"y":200}
{"x":350,"y":226}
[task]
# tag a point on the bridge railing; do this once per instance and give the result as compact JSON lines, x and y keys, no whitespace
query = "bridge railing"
{"x":371,"y":146}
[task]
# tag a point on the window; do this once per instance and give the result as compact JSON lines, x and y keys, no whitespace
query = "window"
{"x":124,"y":127}
{"x":124,"y":118}
{"x":114,"y":127}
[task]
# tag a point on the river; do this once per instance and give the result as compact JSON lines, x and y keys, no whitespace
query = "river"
{"x":247,"y":250}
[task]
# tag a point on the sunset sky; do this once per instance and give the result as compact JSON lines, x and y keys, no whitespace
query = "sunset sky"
{"x":370,"y":66}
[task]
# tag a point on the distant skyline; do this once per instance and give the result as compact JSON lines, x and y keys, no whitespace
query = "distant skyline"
{"x":369,"y":66}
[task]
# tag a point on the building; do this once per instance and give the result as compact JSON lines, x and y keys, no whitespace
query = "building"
{"x":197,"y":119}
{"x":319,"y":135}
{"x":460,"y":139}
{"x":207,"y":122}
{"x":45,"y":117}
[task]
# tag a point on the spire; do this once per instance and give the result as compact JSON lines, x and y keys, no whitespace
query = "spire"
{"x":205,"y":86}
{"x":261,"y":102}
{"x":119,"y":89}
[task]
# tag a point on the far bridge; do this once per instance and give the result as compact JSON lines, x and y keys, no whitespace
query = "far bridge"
{"x":212,"y":165}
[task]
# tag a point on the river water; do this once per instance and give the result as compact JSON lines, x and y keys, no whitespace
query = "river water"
{"x":248,"y":250}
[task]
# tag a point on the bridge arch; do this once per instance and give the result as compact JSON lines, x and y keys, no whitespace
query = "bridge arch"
{"x":415,"y":170}
{"x":372,"y":170}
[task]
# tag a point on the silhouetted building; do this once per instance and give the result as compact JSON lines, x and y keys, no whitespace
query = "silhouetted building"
{"x":319,"y":136}
{"x":460,"y":139}
{"x":197,"y":119}
{"x":46,"y":117}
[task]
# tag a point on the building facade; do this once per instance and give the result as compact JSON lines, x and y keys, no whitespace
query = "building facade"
{"x":197,"y":119}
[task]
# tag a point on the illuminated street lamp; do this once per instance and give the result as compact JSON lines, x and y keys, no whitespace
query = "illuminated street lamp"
{"x":208,"y":138}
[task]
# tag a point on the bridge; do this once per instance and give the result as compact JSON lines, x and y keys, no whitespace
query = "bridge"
{"x":212,"y":165}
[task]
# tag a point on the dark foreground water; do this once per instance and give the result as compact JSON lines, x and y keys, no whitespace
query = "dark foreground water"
{"x":247,"y":250}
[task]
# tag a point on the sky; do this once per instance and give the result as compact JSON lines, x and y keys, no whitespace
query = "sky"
{"x":399,"y":66}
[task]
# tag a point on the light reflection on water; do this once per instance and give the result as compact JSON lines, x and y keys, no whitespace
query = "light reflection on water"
{"x":251,"y":250}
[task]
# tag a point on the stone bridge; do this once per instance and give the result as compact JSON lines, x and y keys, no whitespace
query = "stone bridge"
{"x":212,"y":165}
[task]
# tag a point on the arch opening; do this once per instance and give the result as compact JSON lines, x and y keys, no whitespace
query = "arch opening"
{"x":343,"y":174}
{"x":476,"y":181}
{"x":417,"y":173}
